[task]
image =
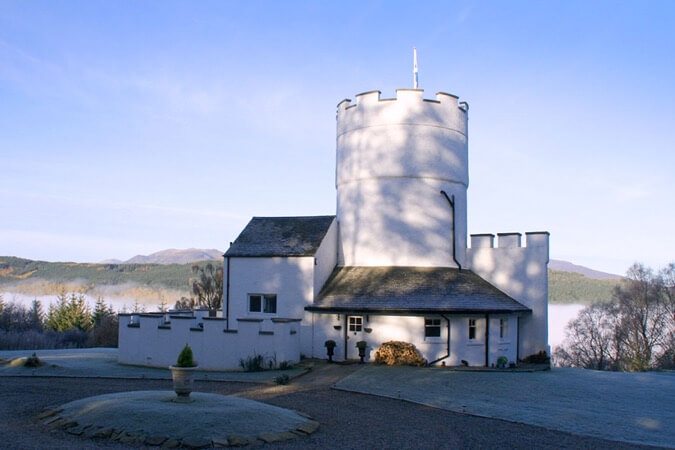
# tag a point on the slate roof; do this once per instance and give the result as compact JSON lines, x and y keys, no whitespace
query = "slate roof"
{"x":411,"y":290}
{"x":281,"y":236}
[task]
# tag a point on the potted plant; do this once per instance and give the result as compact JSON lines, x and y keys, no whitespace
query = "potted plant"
{"x":330,"y":349}
{"x":361,"y":345}
{"x":183,"y":374}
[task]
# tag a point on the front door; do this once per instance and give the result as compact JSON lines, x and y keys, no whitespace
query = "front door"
{"x":354,"y":334}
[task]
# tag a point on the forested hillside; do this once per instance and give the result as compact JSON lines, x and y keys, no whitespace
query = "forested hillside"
{"x":569,"y":287}
{"x":18,"y":270}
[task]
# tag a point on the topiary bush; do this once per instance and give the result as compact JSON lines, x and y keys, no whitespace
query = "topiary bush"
{"x":397,"y":353}
{"x":186,"y":358}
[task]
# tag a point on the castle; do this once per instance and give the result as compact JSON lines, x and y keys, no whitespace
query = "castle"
{"x":394,"y":263}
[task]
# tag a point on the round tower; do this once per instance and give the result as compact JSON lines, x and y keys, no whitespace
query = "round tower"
{"x":401,"y":178}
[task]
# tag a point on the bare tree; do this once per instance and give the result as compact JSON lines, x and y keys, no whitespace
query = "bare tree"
{"x":208,"y":286}
{"x":636,"y":332}
{"x":591,"y":339}
{"x":646,"y":316}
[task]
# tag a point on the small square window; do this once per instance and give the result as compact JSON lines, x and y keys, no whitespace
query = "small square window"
{"x":264,"y":303}
{"x":472,"y":329}
{"x":432,"y":328}
{"x":355,"y":323}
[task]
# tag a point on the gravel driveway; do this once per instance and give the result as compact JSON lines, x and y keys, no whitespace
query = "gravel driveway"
{"x":348,"y":420}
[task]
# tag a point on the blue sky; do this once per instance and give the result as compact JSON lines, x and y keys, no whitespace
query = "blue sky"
{"x":131,"y":127}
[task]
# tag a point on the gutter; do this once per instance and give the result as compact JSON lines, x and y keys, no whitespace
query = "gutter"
{"x":451,"y":200}
{"x":448,"y":351}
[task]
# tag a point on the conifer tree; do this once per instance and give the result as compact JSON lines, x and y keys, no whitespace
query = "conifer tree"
{"x":36,"y":315}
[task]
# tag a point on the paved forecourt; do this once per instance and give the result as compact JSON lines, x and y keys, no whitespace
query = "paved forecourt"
{"x":631,"y":407}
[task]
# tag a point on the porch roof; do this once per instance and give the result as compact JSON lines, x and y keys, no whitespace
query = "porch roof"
{"x":411,"y":290}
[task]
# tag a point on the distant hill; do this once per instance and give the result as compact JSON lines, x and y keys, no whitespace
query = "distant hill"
{"x":15,"y":271}
{"x":171,"y":256}
{"x":147,"y":280}
{"x":566,"y":266}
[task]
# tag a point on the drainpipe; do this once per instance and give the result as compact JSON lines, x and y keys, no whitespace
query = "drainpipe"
{"x":227,"y":293}
{"x":451,"y":201}
{"x":517,"y":339}
{"x":448,"y":351}
{"x":487,"y":339}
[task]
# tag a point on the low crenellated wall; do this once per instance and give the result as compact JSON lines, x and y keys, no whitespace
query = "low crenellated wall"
{"x":156,"y":339}
{"x":522,"y":273}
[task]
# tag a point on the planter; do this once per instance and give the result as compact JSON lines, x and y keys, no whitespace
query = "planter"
{"x":183,"y":380}
{"x":361,"y":345}
{"x":330,"y":349}
{"x":362,"y":354}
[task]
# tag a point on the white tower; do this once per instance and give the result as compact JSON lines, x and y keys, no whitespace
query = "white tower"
{"x":401,"y":163}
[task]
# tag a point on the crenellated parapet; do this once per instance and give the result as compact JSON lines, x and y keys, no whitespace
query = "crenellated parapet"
{"x":409,"y":107}
{"x":163,"y":335}
{"x":520,"y":269}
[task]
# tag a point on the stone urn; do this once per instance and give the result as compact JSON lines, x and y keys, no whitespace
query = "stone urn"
{"x":183,"y":373}
{"x":183,"y":381}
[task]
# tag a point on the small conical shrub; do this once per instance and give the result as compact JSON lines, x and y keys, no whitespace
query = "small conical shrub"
{"x":185,"y":358}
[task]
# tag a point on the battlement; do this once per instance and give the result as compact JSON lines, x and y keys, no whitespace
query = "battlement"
{"x":403,"y":95}
{"x":409,"y":107}
{"x":510,"y":240}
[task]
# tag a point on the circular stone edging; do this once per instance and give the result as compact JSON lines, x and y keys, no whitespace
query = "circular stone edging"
{"x":152,"y":418}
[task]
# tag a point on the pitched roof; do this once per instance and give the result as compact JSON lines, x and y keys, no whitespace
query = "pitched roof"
{"x":411,"y":290}
{"x":281,"y":236}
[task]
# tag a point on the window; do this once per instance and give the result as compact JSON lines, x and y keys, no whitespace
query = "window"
{"x":503,"y":328}
{"x":472,"y":329}
{"x":432,"y":328}
{"x":266,"y":303}
{"x":355,"y":323}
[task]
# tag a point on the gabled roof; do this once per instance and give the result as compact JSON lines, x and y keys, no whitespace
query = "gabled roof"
{"x":281,"y":236}
{"x":416,"y":290}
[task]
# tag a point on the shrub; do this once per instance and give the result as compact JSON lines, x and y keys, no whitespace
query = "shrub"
{"x":361,"y":345}
{"x":282,"y":379}
{"x":186,"y":358}
{"x":285,"y":365}
{"x":252,"y":363}
{"x":329,"y":343}
{"x":397,"y":353}
{"x":33,"y":361}
{"x":538,"y":358}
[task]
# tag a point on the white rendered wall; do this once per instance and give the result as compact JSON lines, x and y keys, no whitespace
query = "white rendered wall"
{"x":522,"y":273}
{"x":214,"y":347}
{"x":393,"y":159}
{"x":383,"y":328}
{"x":291,"y":279}
{"x":326,"y":258}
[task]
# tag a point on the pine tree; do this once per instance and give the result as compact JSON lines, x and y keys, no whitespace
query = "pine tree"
{"x":100,"y":312}
{"x":36,"y":315}
{"x":79,"y":315}
{"x":57,"y":317}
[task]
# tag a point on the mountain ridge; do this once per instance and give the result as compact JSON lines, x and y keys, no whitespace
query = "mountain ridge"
{"x":566,"y":266}
{"x":171,"y":256}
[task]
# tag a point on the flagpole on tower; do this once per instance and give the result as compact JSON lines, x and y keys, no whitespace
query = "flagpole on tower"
{"x":415,"y":74}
